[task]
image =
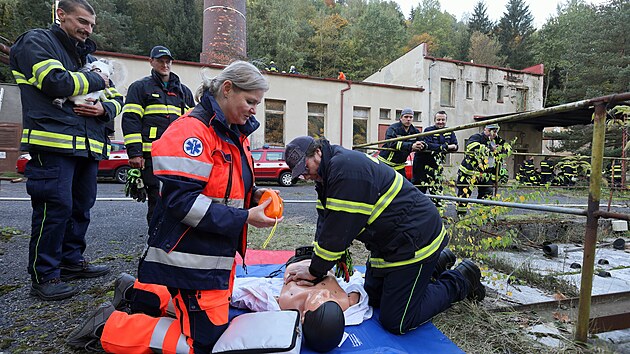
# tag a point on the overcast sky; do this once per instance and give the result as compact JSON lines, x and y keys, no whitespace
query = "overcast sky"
{"x":540,"y":9}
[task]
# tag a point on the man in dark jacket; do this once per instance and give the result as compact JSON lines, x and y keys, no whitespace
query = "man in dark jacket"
{"x":361,"y":198}
{"x":152,"y":103}
{"x":66,"y":143}
{"x":398,"y":151}
{"x":481,"y":165}
{"x":427,"y":164}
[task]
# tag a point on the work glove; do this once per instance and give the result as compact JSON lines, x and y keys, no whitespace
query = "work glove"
{"x":344,"y":268}
{"x":134,"y":187}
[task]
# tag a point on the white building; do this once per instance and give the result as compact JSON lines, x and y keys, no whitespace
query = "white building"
{"x":349,"y":113}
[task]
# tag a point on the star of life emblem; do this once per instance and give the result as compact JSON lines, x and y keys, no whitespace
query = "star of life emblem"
{"x":193,"y":147}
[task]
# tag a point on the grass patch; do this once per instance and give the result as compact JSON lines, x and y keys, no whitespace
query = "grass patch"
{"x":5,"y":289}
{"x":10,"y":174}
{"x":7,"y":233}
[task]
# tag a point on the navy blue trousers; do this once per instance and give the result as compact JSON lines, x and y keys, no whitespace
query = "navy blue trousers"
{"x":62,"y":190}
{"x":408,"y":296}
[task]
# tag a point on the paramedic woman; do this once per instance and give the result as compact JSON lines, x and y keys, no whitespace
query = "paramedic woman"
{"x":207,"y":201}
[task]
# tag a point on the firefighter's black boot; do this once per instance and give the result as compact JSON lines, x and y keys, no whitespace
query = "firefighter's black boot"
{"x":445,"y":261}
{"x":470,"y":271}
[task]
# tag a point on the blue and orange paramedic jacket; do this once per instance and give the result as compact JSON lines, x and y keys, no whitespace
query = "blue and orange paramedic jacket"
{"x":362,"y":198}
{"x":46,"y":65}
{"x":150,"y":106}
{"x":200,"y":220}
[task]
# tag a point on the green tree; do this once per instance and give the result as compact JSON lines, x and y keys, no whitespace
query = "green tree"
{"x":480,"y":22}
{"x":514,"y":32}
{"x":584,"y":55}
{"x":276,"y":31}
{"x":485,"y":50}
{"x":428,"y":18}
{"x":175,"y":24}
{"x":113,"y":26}
{"x":375,"y":38}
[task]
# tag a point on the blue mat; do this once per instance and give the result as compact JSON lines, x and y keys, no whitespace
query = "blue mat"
{"x":369,"y":337}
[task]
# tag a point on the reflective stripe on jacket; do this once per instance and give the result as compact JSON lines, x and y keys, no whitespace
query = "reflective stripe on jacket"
{"x":397,"y":158}
{"x":361,"y":198}
{"x":46,"y":65}
{"x":149,"y":109}
{"x":200,"y":222}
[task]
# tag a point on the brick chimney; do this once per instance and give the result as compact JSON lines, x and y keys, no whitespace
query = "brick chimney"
{"x":224,"y":31}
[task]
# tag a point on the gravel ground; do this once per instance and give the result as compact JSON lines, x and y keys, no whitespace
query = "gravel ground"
{"x":116,"y":237}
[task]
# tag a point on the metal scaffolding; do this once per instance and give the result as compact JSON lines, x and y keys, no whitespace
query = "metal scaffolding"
{"x":592,"y":213}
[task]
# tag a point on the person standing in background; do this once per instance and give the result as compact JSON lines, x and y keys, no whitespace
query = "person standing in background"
{"x":152,"y":104}
{"x":428,"y":164}
{"x":398,"y":151}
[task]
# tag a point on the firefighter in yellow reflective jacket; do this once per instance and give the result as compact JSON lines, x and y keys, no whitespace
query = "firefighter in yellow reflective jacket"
{"x":481,"y":166}
{"x":152,"y":103}
{"x":361,"y":198}
{"x":65,"y":143}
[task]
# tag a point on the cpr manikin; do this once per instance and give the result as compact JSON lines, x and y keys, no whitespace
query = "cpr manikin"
{"x":321,"y":307}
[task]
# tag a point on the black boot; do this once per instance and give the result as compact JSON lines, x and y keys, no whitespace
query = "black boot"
{"x":445,"y":261}
{"x":53,"y":289}
{"x":470,"y":271}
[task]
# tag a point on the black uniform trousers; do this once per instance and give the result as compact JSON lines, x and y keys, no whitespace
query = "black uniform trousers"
{"x":408,"y":296}
{"x":465,"y":186}
{"x":62,"y":190}
{"x":152,"y":184}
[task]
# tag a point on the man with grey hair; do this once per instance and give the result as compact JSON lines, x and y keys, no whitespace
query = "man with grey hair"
{"x":65,"y":143}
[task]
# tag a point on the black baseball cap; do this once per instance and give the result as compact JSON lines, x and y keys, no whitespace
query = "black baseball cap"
{"x":295,"y":154}
{"x":159,"y":51}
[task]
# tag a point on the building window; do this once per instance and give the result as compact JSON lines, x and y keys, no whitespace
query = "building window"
{"x":316,"y":119}
{"x":469,"y":88}
{"x":521,"y":100}
{"x":499,"y":93}
{"x":447,"y":92}
{"x":485,"y":92}
{"x":274,"y":122}
{"x":385,"y":114}
{"x":359,"y":125}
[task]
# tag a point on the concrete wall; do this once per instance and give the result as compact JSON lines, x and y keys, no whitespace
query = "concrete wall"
{"x":412,"y":80}
{"x":416,"y":68}
{"x":297,"y":91}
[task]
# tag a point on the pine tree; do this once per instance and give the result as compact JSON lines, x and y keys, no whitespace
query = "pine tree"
{"x":479,"y":22}
{"x":514,"y":32}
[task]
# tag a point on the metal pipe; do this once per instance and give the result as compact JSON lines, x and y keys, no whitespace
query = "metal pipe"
{"x":513,"y":117}
{"x":590,"y":237}
{"x":342,"y":92}
{"x":512,"y":205}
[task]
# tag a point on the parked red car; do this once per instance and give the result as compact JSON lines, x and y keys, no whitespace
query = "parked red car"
{"x":269,"y":165}
{"x":116,"y":167}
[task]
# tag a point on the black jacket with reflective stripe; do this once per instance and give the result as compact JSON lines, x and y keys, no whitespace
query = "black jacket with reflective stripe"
{"x":352,"y":182}
{"x":403,"y":147}
{"x":46,"y":65}
{"x":150,"y":107}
